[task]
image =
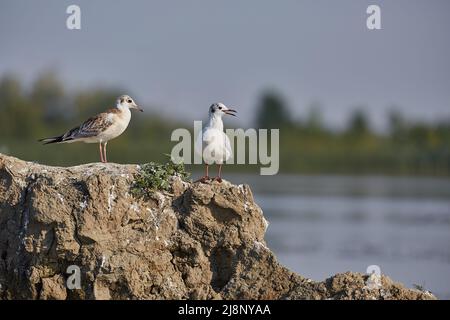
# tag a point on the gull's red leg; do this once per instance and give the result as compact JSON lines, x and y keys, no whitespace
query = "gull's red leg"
{"x":101,"y":152}
{"x":205,"y":178}
{"x":219,"y":177}
{"x":104,"y":152}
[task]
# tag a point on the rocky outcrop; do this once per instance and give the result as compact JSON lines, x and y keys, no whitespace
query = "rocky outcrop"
{"x":196,"y":241}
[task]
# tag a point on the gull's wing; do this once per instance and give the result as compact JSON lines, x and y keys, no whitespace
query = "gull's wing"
{"x":204,"y":138}
{"x":228,"y":151}
{"x":198,"y":146}
{"x":90,"y":128}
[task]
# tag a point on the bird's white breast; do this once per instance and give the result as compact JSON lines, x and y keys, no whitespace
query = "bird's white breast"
{"x":213,"y":145}
{"x":119,"y":124}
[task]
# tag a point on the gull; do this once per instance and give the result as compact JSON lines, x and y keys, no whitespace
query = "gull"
{"x":212,"y":143}
{"x":102,"y":127}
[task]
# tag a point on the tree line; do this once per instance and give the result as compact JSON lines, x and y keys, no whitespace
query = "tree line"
{"x":307,"y":145}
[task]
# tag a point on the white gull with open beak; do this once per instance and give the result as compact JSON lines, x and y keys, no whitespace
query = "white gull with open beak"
{"x":213,"y":144}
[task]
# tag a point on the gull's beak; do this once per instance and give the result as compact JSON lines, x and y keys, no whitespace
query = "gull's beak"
{"x":137,"y":108}
{"x":230,"y":112}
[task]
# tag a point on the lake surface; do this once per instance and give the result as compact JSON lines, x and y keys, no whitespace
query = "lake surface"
{"x":322,"y":225}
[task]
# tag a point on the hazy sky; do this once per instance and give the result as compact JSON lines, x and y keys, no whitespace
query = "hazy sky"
{"x":180,"y":56}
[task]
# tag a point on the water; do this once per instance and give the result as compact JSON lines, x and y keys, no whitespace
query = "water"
{"x":322,"y":225}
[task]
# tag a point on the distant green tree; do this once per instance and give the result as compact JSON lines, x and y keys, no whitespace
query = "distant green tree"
{"x":419,"y":134}
{"x":10,"y":90}
{"x":49,"y":97}
{"x":91,"y":102}
{"x":359,"y":123}
{"x":17,"y":118}
{"x":10,"y":98}
{"x":272,"y":112}
{"x":397,"y":124}
{"x":314,"y":121}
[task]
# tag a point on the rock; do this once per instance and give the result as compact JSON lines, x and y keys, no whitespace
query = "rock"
{"x":53,"y":288}
{"x":199,"y":241}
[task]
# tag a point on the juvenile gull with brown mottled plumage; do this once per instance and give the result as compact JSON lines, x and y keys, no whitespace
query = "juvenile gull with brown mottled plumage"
{"x":100,"y":128}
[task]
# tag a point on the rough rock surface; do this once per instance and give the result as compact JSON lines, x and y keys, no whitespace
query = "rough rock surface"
{"x":201,"y":241}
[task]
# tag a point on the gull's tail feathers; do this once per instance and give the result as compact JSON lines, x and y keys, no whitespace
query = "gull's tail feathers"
{"x":60,"y":139}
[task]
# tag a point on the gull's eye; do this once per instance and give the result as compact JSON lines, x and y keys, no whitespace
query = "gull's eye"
{"x":220,"y":108}
{"x":129,"y":101}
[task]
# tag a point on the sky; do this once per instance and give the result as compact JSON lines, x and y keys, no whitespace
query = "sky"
{"x":179,"y":56}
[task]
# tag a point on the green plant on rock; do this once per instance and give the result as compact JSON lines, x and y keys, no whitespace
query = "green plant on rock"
{"x":419,"y":287}
{"x":153,"y":177}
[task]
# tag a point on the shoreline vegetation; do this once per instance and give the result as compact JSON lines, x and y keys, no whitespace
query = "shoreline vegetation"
{"x":307,"y":145}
